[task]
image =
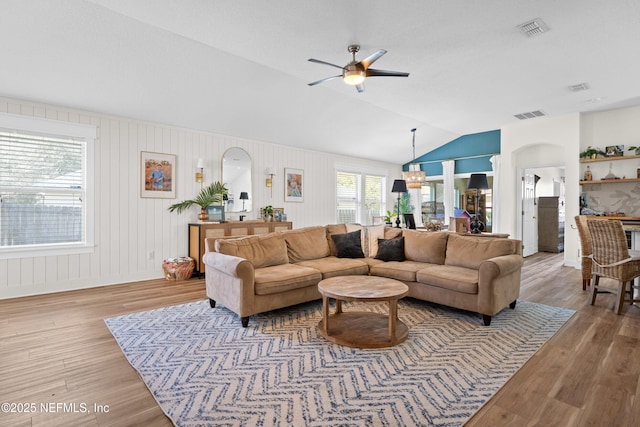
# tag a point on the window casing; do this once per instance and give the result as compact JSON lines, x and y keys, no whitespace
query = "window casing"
{"x":359,"y":197}
{"x":46,"y":194}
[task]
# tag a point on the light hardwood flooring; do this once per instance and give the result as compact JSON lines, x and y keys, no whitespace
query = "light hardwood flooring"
{"x":56,"y":349}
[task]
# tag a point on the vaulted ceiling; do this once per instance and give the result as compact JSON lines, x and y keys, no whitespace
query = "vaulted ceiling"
{"x":240,"y":67}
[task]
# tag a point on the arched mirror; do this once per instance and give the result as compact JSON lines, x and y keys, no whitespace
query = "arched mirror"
{"x":236,"y":174}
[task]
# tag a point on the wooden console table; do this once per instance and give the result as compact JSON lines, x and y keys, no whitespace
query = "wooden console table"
{"x":203,"y":230}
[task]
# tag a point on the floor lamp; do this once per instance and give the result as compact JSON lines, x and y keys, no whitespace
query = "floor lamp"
{"x":399,"y":186}
{"x":478,"y":181}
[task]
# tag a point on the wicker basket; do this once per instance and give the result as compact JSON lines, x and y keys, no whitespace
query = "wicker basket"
{"x":179,"y":268}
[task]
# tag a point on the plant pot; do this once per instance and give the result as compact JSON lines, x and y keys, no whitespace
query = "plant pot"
{"x":203,"y":216}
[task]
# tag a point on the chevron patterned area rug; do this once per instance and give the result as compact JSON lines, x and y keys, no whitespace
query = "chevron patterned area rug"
{"x":204,"y":369}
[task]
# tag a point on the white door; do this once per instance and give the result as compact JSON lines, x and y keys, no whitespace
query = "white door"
{"x":529,"y":219}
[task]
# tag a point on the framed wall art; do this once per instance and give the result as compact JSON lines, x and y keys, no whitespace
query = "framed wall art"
{"x":157,"y":172}
{"x":293,"y":185}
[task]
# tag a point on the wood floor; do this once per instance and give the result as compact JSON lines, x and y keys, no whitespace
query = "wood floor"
{"x":55,"y":350}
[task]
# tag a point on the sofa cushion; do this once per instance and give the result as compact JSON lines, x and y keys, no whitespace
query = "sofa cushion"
{"x":331,"y":230}
{"x":369,"y":237}
{"x":262,"y":251}
{"x":425,"y":246}
{"x":451,"y":277}
{"x":391,"y":249}
{"x":332,"y":266}
{"x":404,"y":271}
{"x":372,"y":233}
{"x":348,"y":245}
{"x":392,"y":232}
{"x":468,"y":251}
{"x":283,"y":278}
{"x":306,"y":243}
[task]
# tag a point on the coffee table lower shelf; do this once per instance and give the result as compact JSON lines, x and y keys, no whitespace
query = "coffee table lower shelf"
{"x":363,"y":330}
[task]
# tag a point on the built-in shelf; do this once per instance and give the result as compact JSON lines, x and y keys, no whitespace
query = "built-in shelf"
{"x":610,"y":181}
{"x":608,"y":159}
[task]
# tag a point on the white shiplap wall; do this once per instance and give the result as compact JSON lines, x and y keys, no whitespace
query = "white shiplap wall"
{"x":128,"y":228}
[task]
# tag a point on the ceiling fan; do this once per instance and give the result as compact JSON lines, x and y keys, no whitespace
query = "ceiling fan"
{"x":355,"y":72}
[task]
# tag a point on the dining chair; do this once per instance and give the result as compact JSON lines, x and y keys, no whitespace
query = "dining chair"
{"x":585,"y":250}
{"x":612,"y":259}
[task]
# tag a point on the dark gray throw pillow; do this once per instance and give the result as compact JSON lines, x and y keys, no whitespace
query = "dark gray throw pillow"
{"x":391,"y":249}
{"x":348,"y":245}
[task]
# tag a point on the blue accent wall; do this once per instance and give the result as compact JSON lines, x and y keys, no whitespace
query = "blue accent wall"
{"x":484,"y":145}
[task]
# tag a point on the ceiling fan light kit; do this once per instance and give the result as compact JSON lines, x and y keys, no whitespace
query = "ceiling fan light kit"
{"x":355,"y":72}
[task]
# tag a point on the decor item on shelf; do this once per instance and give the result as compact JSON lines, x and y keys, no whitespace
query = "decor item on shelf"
{"x":415,"y":177}
{"x":588,"y":176}
{"x":243,"y":196}
{"x":199,"y":173}
{"x":614,"y":150}
{"x":478,"y":181}
{"x":389,"y":215}
{"x":399,"y":186}
{"x":610,"y":175}
{"x":209,"y":195}
{"x":592,"y":153}
{"x":635,"y":149}
{"x":267,"y":213}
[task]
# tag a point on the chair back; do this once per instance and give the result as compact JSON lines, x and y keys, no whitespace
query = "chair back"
{"x":610,"y":251}
{"x":608,"y":241}
{"x":585,"y":246}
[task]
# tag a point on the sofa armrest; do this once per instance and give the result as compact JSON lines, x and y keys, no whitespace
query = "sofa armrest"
{"x":499,"y":283}
{"x":500,"y":266}
{"x":230,"y":265}
{"x":230,"y":280}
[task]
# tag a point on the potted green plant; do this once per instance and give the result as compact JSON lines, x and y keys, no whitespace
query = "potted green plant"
{"x":267,"y":213}
{"x":388,"y":216}
{"x":592,"y":153}
{"x":209,"y":195}
{"x":635,"y":149}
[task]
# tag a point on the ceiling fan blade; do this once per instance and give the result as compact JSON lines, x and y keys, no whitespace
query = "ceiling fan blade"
{"x":360,"y":87}
{"x":317,"y":61}
{"x":324,"y":80}
{"x":366,"y":62}
{"x":384,"y":73}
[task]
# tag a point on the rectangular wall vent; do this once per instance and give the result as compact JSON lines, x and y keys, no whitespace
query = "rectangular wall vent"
{"x":533,"y":28}
{"x":529,"y":115}
{"x":579,"y":87}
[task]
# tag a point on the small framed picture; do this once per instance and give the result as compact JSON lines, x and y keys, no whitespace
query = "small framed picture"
{"x":614,"y":150}
{"x":409,"y":220}
{"x":216,"y":213}
{"x":157,"y":172}
{"x":293,"y":185}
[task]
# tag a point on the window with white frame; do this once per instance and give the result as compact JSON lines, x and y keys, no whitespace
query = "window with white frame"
{"x":360,"y":197}
{"x":45,"y":197}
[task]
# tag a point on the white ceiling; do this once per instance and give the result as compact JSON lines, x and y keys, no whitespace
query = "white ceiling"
{"x":239,"y":67}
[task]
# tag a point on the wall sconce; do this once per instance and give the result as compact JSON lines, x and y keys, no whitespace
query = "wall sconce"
{"x":269,"y":181}
{"x":200,"y":168}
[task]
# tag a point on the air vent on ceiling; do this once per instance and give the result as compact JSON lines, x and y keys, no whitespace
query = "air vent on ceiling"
{"x":533,"y":28}
{"x":529,"y":115}
{"x":579,"y":87}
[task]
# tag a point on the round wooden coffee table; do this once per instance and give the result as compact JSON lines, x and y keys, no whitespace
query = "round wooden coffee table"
{"x":362,"y":329}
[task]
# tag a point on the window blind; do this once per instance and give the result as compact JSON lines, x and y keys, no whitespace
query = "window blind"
{"x":42,"y":189}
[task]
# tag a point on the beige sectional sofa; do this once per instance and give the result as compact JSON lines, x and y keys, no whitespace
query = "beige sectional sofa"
{"x":255,"y":274}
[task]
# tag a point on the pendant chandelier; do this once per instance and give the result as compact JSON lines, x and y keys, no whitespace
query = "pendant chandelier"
{"x":415,"y":177}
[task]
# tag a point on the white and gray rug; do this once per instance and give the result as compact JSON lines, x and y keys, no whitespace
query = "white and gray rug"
{"x":204,"y":369}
